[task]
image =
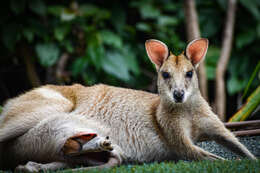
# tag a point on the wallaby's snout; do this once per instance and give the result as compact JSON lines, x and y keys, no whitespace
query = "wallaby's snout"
{"x":178,"y":95}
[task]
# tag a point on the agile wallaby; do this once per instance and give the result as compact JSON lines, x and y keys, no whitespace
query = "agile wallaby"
{"x":147,"y":127}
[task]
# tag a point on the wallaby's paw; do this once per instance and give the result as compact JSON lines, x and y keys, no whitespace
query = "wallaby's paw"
{"x":97,"y":144}
{"x":105,"y":144}
{"x":214,"y":157}
{"x":86,"y":142}
{"x":29,"y":167}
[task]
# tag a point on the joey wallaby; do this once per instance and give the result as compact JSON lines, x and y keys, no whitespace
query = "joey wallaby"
{"x":60,"y":141}
{"x":146,"y":127}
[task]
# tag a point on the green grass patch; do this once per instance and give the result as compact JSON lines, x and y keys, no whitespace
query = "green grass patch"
{"x":236,"y":166}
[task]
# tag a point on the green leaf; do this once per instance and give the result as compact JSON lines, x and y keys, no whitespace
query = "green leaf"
{"x":116,"y":65}
{"x":17,"y":6}
{"x":48,"y":54}
{"x":252,"y":6}
{"x":68,"y":45}
{"x":258,"y":29}
{"x":55,"y":10}
{"x":95,"y":50}
{"x":79,"y":66}
{"x":87,"y":10}
{"x":211,"y":61}
{"x":257,"y":68}
{"x":10,"y":36}
{"x":143,"y":27}
{"x":61,"y":31}
{"x":130,"y":59}
{"x":167,"y":21}
{"x":235,"y":85}
{"x":245,"y":38}
{"x":67,"y":15}
{"x":149,"y":12}
{"x":28,"y":34}
{"x":111,"y":39}
{"x":251,"y":104}
{"x":1,"y":109}
{"x":38,"y":7}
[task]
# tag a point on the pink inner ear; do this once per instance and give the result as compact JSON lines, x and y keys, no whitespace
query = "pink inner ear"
{"x":156,"y":51}
{"x":197,"y":50}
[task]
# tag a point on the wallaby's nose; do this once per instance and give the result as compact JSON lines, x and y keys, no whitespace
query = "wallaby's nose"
{"x":178,"y":95}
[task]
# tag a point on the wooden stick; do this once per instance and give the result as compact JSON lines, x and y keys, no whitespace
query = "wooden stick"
{"x":243,"y":124}
{"x":255,"y":132}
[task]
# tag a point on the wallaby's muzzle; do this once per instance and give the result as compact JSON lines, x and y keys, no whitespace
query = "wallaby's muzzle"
{"x":178,"y":95}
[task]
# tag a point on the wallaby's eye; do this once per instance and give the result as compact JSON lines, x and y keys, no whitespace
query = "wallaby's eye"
{"x":189,"y":74}
{"x":165,"y":75}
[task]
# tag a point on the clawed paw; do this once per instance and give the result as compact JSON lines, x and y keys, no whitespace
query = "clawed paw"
{"x":84,"y":143}
{"x":106,"y":145}
{"x":29,"y":167}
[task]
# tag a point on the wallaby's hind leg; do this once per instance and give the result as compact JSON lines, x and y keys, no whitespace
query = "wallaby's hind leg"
{"x":37,"y":167}
{"x":112,"y":162}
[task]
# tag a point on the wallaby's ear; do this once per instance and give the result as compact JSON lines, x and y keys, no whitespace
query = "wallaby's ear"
{"x":196,"y":50}
{"x":157,"y":52}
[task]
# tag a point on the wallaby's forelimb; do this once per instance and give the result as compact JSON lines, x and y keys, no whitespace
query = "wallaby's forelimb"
{"x":219,"y":133}
{"x":192,"y":152}
{"x":229,"y":141}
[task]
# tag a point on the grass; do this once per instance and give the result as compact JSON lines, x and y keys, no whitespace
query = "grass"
{"x":236,"y":166}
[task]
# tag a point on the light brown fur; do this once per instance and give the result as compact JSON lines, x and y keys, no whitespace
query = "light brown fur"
{"x":146,"y":127}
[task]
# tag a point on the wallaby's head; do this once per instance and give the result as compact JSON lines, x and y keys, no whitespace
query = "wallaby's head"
{"x":177,"y":79}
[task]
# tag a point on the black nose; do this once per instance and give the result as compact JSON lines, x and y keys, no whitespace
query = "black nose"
{"x":178,"y":95}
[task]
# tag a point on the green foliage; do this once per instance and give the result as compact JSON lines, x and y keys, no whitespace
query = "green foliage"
{"x":252,"y":101}
{"x":238,"y":166}
{"x":47,"y":53}
{"x":251,"y":104}
{"x":253,"y":76}
{"x":105,"y":39}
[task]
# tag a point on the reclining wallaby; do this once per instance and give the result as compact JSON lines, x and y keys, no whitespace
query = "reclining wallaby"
{"x":61,"y":141}
{"x":147,"y":127}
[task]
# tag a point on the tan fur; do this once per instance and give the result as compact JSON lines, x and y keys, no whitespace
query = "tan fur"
{"x":146,"y":127}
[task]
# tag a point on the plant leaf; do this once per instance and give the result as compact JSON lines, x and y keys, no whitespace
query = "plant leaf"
{"x":257,"y":68}
{"x":38,"y":7}
{"x":116,"y":65}
{"x":61,"y":31}
{"x":28,"y":34}
{"x":251,"y":104}
{"x":48,"y":54}
{"x":111,"y":39}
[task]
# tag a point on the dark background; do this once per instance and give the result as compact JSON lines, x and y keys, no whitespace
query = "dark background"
{"x":90,"y":42}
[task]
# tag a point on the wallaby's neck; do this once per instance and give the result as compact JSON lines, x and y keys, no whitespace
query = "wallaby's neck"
{"x":170,"y":108}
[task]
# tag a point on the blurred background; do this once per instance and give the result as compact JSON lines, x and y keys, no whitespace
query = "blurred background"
{"x":90,"y":42}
